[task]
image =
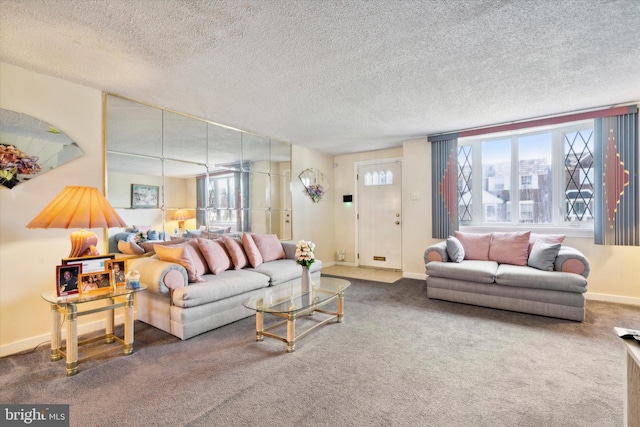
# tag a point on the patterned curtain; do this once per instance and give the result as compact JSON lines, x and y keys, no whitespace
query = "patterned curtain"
{"x":616,"y":180}
{"x":444,"y":190}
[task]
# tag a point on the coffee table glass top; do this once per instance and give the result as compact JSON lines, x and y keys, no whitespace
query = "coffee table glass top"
{"x":290,"y":297}
{"x":51,"y":297}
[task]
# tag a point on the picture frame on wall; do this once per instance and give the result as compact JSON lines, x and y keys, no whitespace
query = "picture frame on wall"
{"x":67,"y":279}
{"x":118,"y":269}
{"x":95,"y":282}
{"x":145,"y":196}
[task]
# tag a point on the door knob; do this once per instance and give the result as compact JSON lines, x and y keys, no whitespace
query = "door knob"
{"x":397,"y":222}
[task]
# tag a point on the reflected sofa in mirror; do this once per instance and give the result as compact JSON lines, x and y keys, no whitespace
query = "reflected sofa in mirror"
{"x":30,"y":147}
{"x":230,"y":180}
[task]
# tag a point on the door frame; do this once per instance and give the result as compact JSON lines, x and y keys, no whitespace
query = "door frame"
{"x":356,"y":227}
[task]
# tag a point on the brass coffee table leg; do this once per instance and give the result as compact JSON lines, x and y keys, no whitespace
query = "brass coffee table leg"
{"x":291,"y":332}
{"x":259,"y":326}
{"x":340,"y":310}
{"x":56,"y":333}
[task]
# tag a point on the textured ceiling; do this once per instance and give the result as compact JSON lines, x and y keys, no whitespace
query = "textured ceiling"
{"x":338,"y":76}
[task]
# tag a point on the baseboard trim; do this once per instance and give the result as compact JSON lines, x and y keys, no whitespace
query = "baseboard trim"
{"x":45,"y":339}
{"x":612,"y":298}
{"x":417,"y":276}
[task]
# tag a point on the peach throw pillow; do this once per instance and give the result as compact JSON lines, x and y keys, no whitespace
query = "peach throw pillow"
{"x":476,"y":246}
{"x":253,"y":254}
{"x":510,"y":248}
{"x":269,"y":246}
{"x":182,"y":254}
{"x":215,"y":254}
{"x":236,"y":252}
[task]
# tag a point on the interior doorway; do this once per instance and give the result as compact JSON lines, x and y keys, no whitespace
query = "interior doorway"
{"x":379,"y":216}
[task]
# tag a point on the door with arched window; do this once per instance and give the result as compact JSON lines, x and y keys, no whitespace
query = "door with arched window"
{"x":380,"y":215}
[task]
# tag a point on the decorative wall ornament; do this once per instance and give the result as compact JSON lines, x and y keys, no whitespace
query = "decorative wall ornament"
{"x":30,"y":147}
{"x":315,"y":183}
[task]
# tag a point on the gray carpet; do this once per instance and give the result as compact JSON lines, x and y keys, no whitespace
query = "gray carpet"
{"x":399,"y":359}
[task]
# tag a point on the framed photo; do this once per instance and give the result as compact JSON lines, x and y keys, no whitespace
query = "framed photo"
{"x":95,"y":282}
{"x":144,"y":196}
{"x":118,"y":269}
{"x":67,"y":279}
{"x":90,"y":263}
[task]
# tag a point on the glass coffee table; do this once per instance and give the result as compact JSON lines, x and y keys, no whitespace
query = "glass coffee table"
{"x":289,"y":301}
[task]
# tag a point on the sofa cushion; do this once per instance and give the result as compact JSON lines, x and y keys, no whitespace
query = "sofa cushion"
{"x":184,"y":255}
{"x":252,"y":251}
{"x":476,"y":246}
{"x":510,"y":248}
{"x":227,"y":284}
{"x":455,"y":249}
{"x":543,"y":255}
{"x":236,"y":252}
{"x":546,"y":238}
{"x":284,"y":270}
{"x":215,"y":254}
{"x":471,"y":270}
{"x":528,"y":277}
{"x":269,"y":246}
{"x":130,"y":248}
{"x":148,"y":245}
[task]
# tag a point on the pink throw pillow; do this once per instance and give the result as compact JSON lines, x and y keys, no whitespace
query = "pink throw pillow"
{"x":236,"y":252}
{"x":182,"y":254}
{"x":476,"y":246}
{"x":269,"y":246}
{"x":510,"y":248}
{"x":130,"y":248}
{"x":253,"y":254}
{"x":546,"y":238}
{"x":215,"y":254}
{"x":198,"y":260}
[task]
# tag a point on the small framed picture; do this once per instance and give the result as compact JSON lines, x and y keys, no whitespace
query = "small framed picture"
{"x":90,"y":263}
{"x":95,"y":282}
{"x":67,"y":279}
{"x":118,"y":268}
{"x":144,"y":196}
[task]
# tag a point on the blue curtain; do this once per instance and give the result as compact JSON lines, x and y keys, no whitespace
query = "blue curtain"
{"x":444,"y":185}
{"x":616,"y":180}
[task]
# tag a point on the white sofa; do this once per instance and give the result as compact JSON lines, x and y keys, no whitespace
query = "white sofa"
{"x":185,"y":309}
{"x":555,"y":291}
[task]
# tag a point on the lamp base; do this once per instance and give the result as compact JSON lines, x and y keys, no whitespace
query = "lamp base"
{"x":83,"y":243}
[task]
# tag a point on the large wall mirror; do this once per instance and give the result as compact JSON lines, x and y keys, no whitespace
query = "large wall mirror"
{"x":195,"y":176}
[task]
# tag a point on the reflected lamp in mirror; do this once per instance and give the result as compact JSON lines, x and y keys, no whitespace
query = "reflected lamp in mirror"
{"x":30,"y":147}
{"x":79,"y":207}
{"x":181,"y":215}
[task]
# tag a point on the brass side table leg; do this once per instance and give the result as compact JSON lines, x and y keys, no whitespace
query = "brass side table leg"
{"x":259,"y":326}
{"x":56,"y":332}
{"x":128,"y":325}
{"x":340,"y":307}
{"x":110,"y":323}
{"x":72,"y":340}
{"x":291,"y":332}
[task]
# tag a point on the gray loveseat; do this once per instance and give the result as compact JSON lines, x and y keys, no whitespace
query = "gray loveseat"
{"x":186,"y":309}
{"x":555,"y":290}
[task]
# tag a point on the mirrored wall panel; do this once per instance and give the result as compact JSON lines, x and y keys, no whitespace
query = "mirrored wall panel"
{"x":211,"y":179}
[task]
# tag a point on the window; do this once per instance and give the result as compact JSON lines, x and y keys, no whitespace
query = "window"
{"x":541,"y":176}
{"x":378,"y":178}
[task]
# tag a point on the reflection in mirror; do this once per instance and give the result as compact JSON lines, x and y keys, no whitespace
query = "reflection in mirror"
{"x":232,"y":181}
{"x":30,"y":147}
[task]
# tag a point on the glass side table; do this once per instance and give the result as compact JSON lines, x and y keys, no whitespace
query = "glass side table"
{"x":68,"y":306}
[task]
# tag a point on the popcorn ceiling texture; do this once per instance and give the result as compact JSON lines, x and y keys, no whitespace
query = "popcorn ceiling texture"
{"x":338,"y":76}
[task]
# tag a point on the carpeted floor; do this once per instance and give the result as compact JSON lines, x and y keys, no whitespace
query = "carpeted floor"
{"x":399,"y":359}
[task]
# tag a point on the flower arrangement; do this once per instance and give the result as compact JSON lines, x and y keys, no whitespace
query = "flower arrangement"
{"x":14,"y":162}
{"x":315,"y":191}
{"x":304,"y":253}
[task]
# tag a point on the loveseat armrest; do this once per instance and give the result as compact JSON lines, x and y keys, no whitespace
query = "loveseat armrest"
{"x":289,"y":249}
{"x":437,"y":252}
{"x":571,"y":260}
{"x":160,"y":276}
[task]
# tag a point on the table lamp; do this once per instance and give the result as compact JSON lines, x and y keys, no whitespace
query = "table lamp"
{"x":79,"y":207}
{"x":181,"y":215}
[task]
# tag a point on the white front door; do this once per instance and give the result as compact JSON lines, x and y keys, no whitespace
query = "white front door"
{"x":380,"y":215}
